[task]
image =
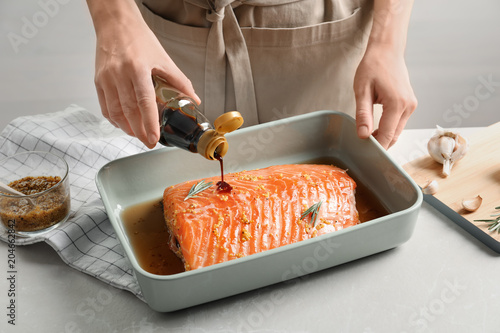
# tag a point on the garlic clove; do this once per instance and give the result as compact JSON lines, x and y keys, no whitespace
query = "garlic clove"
{"x":431,"y":187}
{"x":471,"y":205}
{"x":447,"y":147}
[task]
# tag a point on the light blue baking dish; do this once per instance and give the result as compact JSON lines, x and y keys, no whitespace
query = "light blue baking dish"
{"x":143,"y":177}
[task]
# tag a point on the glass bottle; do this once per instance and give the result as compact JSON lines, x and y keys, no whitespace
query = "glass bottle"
{"x":183,"y":125}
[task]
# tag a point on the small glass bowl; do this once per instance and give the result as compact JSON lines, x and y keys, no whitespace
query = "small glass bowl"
{"x":43,"y":176}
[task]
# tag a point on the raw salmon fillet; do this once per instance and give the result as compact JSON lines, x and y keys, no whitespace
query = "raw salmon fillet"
{"x":263,"y":211}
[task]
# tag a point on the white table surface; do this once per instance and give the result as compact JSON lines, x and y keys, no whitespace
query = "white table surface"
{"x":441,"y":280}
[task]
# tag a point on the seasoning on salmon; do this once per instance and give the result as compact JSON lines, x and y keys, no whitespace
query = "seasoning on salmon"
{"x":264,"y":210}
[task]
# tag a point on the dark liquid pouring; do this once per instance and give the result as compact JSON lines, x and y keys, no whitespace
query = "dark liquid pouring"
{"x":222,"y":186}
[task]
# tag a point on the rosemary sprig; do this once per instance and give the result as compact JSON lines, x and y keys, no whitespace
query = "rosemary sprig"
{"x":197,"y":188}
{"x":494,"y":223}
{"x":314,"y":209}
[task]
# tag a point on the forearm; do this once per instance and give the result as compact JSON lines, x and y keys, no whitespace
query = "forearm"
{"x":390,"y":24}
{"x":113,"y":14}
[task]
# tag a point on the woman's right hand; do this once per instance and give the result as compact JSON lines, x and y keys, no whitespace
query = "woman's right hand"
{"x":127,"y":55}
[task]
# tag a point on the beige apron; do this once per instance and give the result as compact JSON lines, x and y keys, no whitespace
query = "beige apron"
{"x":268,"y":59}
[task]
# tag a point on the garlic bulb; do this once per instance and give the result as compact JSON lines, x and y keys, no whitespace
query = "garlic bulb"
{"x":471,"y":205}
{"x":447,"y":147}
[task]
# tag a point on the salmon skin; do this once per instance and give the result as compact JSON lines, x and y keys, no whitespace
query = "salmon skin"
{"x":265,"y":209}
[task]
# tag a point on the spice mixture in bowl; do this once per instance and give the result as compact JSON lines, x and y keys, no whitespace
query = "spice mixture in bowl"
{"x":43,"y":179}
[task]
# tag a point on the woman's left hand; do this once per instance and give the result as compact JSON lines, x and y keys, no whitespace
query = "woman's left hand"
{"x":382,"y":78}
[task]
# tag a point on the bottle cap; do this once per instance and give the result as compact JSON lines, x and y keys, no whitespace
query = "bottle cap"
{"x":228,"y":122}
{"x":212,"y":143}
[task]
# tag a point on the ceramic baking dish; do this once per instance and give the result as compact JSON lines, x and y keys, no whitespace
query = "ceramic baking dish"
{"x":143,"y":177}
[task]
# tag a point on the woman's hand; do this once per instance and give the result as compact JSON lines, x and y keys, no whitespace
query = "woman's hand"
{"x":127,"y":55}
{"x":382,"y":76}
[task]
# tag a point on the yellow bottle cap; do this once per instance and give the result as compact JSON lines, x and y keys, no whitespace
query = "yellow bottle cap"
{"x":228,"y":122}
{"x":212,"y":143}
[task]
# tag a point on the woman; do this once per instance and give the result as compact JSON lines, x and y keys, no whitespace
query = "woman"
{"x":266,"y":58}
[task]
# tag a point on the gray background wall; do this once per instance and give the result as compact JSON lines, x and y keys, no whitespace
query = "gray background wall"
{"x":453,"y":49}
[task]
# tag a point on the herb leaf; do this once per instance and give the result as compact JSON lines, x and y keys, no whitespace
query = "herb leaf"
{"x":495,"y":226}
{"x":197,"y":188}
{"x":314,"y":209}
{"x":494,"y":223}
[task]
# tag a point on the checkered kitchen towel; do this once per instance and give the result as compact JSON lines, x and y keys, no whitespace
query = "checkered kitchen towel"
{"x":87,"y":241}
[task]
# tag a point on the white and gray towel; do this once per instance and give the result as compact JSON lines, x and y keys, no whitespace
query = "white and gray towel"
{"x":87,"y":241}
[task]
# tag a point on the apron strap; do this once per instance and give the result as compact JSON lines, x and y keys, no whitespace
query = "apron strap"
{"x":241,"y":69}
{"x":215,"y":68}
{"x":225,"y":39}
